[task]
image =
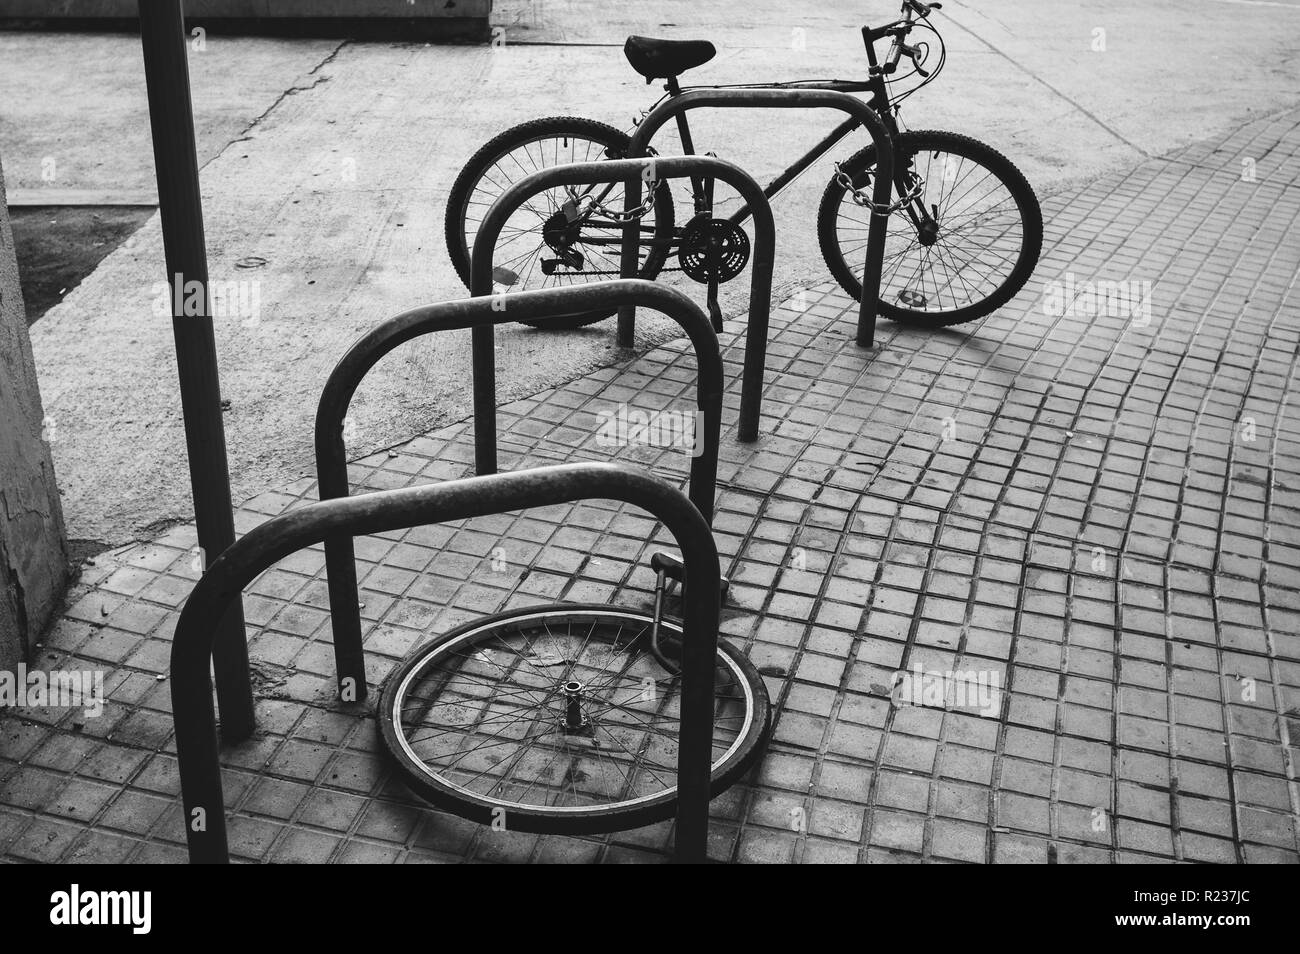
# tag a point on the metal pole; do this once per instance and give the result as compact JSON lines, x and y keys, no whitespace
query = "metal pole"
{"x":331,"y":453}
{"x":162,"y":33}
{"x":483,"y":362}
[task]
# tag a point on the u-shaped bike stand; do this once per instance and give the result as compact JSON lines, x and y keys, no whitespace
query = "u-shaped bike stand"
{"x":259,"y":549}
{"x":588,"y":173}
{"x":331,"y":453}
{"x":768,"y":99}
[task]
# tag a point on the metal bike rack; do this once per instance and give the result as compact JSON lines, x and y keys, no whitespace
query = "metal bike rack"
{"x":331,"y":453}
{"x":222,"y":584}
{"x":769,"y":98}
{"x":587,"y":173}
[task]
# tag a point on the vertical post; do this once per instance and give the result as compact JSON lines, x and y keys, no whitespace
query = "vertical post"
{"x":482,"y":339}
{"x":162,"y":33}
{"x":630,"y":258}
{"x":866,"y":336}
{"x":879,"y":225}
{"x":701,"y":605}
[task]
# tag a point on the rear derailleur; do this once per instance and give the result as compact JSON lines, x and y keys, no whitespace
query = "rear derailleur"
{"x":561,"y":233}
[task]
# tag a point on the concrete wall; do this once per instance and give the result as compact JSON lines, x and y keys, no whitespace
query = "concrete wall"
{"x":254,"y":8}
{"x":388,"y":19}
{"x":33,"y":552}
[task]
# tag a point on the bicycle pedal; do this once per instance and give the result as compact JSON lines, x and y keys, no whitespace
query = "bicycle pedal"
{"x":551,"y":265}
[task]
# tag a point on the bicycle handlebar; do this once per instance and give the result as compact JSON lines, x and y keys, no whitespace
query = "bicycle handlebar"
{"x":922,"y":10}
{"x":898,"y":29}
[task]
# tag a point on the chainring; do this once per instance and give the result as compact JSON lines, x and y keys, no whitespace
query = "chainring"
{"x":712,"y":249}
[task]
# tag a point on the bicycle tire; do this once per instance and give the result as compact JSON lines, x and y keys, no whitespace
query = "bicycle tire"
{"x":912,"y":144}
{"x":455,"y":796}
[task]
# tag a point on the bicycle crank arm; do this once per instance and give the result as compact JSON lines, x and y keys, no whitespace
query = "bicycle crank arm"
{"x":715,"y":310}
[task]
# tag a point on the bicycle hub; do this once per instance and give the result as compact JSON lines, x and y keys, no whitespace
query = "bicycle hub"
{"x":574,"y":720}
{"x":927,"y":233}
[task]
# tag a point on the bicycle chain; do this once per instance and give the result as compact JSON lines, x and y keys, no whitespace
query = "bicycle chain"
{"x":861,"y":198}
{"x":630,"y":215}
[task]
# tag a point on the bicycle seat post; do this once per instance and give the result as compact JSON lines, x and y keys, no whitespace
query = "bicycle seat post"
{"x":688,"y":148}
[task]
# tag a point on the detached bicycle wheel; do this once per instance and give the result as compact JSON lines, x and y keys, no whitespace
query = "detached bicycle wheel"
{"x":539,"y":246}
{"x":961,"y":249}
{"x":560,"y":719}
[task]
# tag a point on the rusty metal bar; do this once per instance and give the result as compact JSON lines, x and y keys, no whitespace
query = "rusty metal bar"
{"x":331,"y":453}
{"x":262,"y":547}
{"x":760,"y":98}
{"x":586,"y":173}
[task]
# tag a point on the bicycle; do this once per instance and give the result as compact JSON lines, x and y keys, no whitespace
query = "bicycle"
{"x":965,"y":229}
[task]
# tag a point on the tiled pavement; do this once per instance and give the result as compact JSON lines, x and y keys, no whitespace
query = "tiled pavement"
{"x":1103,"y":511}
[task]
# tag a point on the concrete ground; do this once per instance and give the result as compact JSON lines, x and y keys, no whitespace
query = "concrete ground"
{"x":1088,"y":514}
{"x":326,"y":166}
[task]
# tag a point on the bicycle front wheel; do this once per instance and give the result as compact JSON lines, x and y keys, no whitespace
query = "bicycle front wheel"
{"x":560,"y":719}
{"x":538,"y":246}
{"x":962,"y":248}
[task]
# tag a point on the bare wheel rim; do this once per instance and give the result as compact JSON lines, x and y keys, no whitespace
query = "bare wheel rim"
{"x":521,"y":247}
{"x":980,"y":239}
{"x":556,"y":713}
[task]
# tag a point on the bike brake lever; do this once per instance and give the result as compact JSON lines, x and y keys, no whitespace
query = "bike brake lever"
{"x":914,"y":54}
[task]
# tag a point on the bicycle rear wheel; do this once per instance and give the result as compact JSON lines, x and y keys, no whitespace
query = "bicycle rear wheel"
{"x":523,"y":251}
{"x":986,"y":241}
{"x":559,"y":719}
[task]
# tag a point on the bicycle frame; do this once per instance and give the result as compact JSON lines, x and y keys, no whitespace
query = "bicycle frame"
{"x":878,"y":101}
{"x":770,"y":98}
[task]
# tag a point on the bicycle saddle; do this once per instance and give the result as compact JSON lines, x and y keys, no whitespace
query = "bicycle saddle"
{"x":655,"y":59}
